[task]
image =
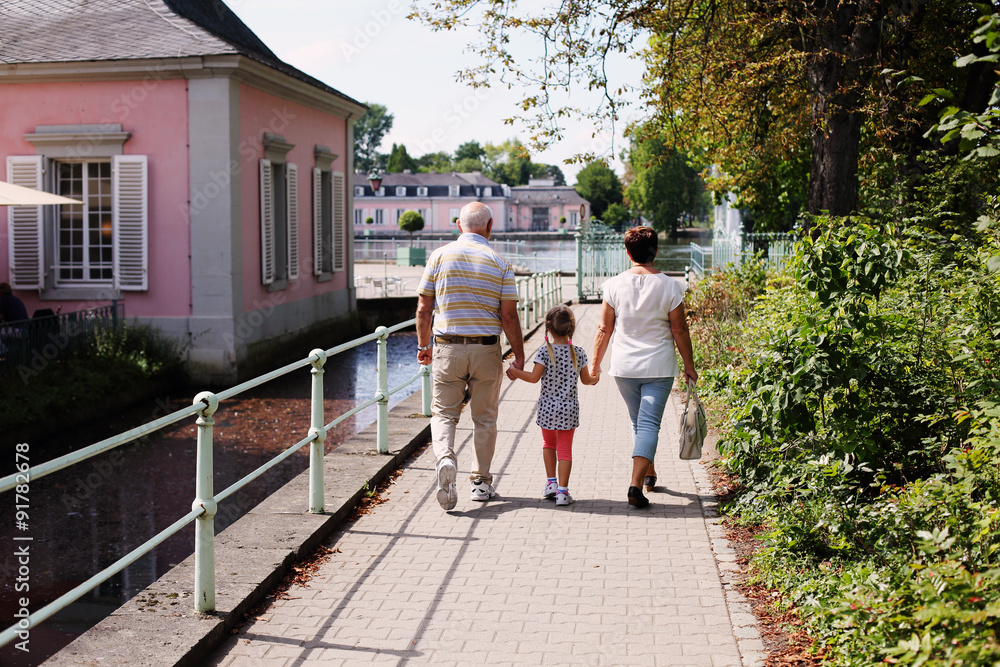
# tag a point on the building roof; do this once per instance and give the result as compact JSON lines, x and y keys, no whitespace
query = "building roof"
{"x":452,"y":178}
{"x":53,"y":31}
{"x":533,"y":194}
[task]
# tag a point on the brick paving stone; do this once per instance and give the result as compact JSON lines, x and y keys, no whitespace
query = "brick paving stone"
{"x":517,"y":581}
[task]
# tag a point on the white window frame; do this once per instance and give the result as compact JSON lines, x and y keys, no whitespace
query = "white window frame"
{"x":32,"y":231}
{"x":487,"y":192}
{"x":422,"y":191}
{"x":454,"y":190}
{"x":400,"y":190}
{"x":359,"y":217}
{"x":359,"y":191}
{"x":379,"y":216}
{"x":380,"y":192}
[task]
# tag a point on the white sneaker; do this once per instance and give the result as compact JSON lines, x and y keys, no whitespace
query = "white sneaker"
{"x":447,"y":492}
{"x":563,"y":498}
{"x":550,"y":490}
{"x":481,"y":492}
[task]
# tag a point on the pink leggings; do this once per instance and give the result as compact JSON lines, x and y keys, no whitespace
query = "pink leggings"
{"x":561,"y":441}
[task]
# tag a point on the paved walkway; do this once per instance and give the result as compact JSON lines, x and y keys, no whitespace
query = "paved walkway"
{"x":517,"y":581}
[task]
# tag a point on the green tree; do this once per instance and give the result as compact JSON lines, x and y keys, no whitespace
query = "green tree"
{"x":508,"y":163}
{"x":439,"y":162}
{"x":467,"y":165}
{"x":399,"y":160}
{"x":470,"y":149}
{"x":665,"y":188}
{"x":616,"y":216}
{"x":539,"y":170}
{"x":599,"y":185}
{"x":369,"y":130}
{"x":411,"y":221}
{"x":759,"y":86}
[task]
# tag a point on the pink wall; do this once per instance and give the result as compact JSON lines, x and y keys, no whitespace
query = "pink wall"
{"x":438,"y":218}
{"x":304,"y":127}
{"x":155,"y":113}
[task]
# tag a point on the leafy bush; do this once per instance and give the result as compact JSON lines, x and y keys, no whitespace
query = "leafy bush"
{"x":866,"y":436}
{"x":109,"y":362}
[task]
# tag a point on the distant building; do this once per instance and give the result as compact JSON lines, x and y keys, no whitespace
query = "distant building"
{"x":437,"y":197}
{"x":540,"y":205}
{"x":213,"y":175}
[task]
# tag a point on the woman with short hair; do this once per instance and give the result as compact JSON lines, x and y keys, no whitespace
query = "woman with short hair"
{"x":644,"y":309}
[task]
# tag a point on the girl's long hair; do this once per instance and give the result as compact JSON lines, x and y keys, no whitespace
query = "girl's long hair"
{"x":561,"y":322}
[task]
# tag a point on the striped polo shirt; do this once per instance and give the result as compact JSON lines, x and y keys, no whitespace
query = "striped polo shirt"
{"x":468,"y":279}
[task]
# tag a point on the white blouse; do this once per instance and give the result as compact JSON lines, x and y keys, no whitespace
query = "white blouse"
{"x":642,"y":345}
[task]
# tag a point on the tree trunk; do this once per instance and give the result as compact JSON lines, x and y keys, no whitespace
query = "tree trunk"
{"x":845,"y":41}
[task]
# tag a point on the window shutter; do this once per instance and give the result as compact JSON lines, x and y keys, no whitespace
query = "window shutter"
{"x":293,"y":221}
{"x":317,"y":221}
{"x":24,"y":225}
{"x":339,"y":220}
{"x":130,"y":221}
{"x":266,"y":223}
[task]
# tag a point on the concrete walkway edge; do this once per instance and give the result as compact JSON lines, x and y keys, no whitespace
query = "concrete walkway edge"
{"x":159,"y":626}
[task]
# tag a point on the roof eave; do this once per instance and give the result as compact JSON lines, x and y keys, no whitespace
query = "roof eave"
{"x":236,"y":66}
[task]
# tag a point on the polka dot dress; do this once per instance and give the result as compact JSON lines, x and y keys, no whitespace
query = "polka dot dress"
{"x":558,"y":402}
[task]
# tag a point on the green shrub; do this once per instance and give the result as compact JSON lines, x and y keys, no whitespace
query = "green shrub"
{"x":107,"y":363}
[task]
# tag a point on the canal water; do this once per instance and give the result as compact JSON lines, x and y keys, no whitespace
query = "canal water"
{"x":532,"y":255}
{"x":86,"y":517}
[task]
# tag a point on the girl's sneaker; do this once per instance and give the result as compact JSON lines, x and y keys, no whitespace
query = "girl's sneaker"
{"x":550,"y":490}
{"x":563,"y":498}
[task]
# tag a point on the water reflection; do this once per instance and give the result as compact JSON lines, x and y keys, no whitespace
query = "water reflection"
{"x":86,"y":517}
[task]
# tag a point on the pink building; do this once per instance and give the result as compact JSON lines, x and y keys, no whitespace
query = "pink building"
{"x":541,"y":205}
{"x":437,"y":197}
{"x":212,"y":176}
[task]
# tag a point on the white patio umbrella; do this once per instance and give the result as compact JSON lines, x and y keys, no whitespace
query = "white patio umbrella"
{"x":15,"y":195}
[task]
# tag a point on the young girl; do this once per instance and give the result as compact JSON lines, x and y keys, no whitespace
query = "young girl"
{"x":558,"y":364}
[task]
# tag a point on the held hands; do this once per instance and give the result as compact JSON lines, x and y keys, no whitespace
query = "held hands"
{"x":518,"y":365}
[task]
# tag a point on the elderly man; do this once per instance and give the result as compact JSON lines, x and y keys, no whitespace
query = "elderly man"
{"x":468,"y":290}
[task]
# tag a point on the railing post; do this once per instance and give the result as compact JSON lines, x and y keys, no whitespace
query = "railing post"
{"x":579,"y":267}
{"x":382,"y":428}
{"x":425,"y":390}
{"x":204,"y":536}
{"x":317,"y":493}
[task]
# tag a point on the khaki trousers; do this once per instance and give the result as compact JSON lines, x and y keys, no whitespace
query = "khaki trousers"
{"x":479,"y":369}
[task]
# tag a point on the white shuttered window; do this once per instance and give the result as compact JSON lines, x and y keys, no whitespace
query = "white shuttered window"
{"x":24,"y":225}
{"x":292,"y":180}
{"x":104,"y":241}
{"x":339,"y":220}
{"x":130,"y":217}
{"x":266,"y":223}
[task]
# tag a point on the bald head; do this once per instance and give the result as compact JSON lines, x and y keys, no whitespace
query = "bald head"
{"x":475,"y":217}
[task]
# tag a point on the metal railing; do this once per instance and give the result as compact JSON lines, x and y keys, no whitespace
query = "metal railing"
{"x":700,"y":260}
{"x":48,"y":336}
{"x":600,"y":254}
{"x":538,"y":293}
{"x":206,"y":501}
{"x":777,"y":249}
{"x":778,"y":246}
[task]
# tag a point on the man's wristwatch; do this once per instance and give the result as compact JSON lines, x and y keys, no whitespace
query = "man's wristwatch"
{"x":421,"y":348}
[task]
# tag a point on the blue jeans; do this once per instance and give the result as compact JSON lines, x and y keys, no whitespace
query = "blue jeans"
{"x":645,"y":399}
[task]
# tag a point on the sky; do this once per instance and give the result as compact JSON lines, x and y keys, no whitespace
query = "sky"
{"x":369,"y":50}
